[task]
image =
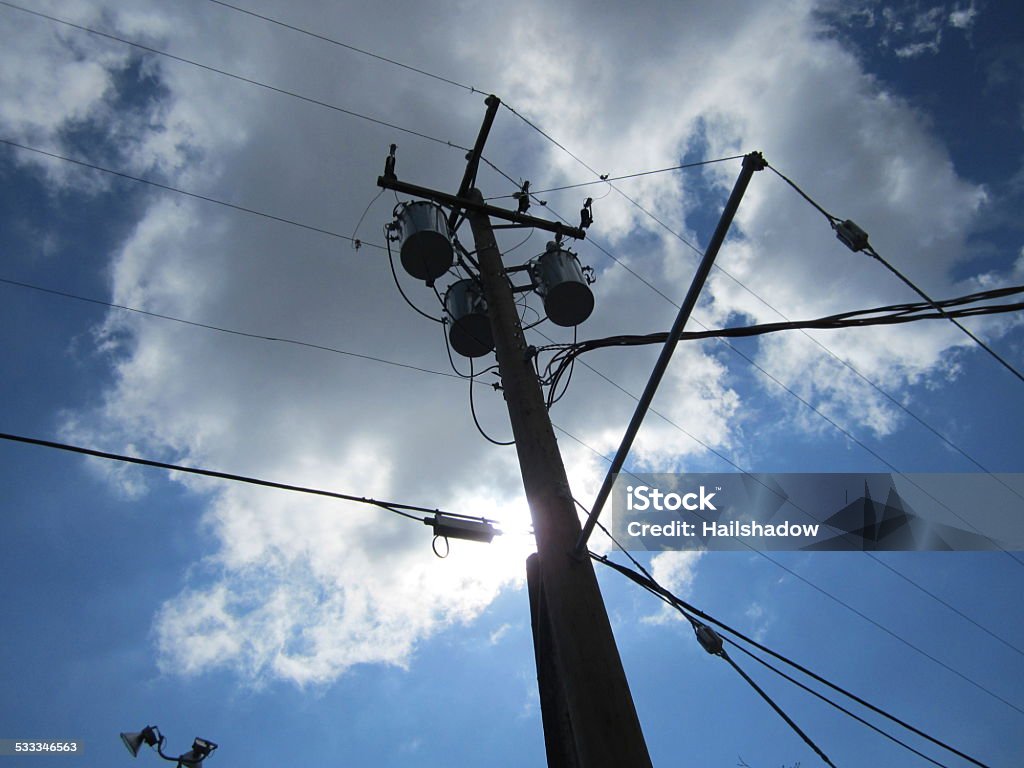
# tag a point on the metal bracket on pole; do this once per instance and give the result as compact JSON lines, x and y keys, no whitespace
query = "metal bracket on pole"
{"x":751,"y":163}
{"x":457,"y":202}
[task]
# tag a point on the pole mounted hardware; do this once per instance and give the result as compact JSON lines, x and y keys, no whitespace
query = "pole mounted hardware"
{"x":461,"y":203}
{"x":451,"y":527}
{"x":151,"y":737}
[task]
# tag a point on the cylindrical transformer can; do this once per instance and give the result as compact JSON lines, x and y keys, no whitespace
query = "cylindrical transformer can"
{"x":469,"y":328}
{"x":568,"y":300}
{"x":426,"y":249}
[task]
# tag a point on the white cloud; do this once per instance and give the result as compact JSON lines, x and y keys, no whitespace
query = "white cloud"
{"x":303,"y":589}
{"x":675,"y":571}
{"x":963,"y":18}
{"x":908,"y":30}
{"x":758,"y":618}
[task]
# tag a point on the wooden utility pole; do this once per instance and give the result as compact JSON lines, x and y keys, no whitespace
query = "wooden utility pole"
{"x":579,"y":668}
{"x":588,"y":713}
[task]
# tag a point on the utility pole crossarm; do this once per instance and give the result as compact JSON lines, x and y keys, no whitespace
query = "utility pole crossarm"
{"x":476,"y":206}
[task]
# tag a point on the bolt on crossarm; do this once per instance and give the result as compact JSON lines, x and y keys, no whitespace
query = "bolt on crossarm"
{"x":751,"y":163}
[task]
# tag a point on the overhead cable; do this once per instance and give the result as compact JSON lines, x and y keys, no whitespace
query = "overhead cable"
{"x":753,"y":293}
{"x":887,"y":315}
{"x":856,"y":240}
{"x":221,"y":329}
{"x":605,"y":179}
{"x":688,"y":610}
{"x":391,"y":506}
{"x":347,"y":46}
{"x":178,"y":190}
{"x":839,"y":601}
{"x":232,"y":75}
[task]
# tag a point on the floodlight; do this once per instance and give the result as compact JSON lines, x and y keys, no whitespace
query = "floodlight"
{"x":150,"y":736}
{"x":201,"y":749}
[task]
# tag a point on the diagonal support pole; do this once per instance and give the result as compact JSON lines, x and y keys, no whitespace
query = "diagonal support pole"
{"x":751,"y":163}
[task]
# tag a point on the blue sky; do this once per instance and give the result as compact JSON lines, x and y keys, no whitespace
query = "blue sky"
{"x":292,"y":629}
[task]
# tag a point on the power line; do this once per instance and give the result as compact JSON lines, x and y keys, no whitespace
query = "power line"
{"x":347,"y":46}
{"x":221,"y":329}
{"x":822,"y":415}
{"x":834,"y":704}
{"x":232,"y":75}
{"x":831,"y":218}
{"x":999,"y":358}
{"x":604,"y":180}
{"x":655,"y":591}
{"x":391,"y":506}
{"x":859,"y":242}
{"x":764,"y":695}
{"x":180,"y":191}
{"x":893,"y":314}
{"x":825,"y":592}
{"x":649,"y":583}
{"x":335,"y":234}
{"x":849,"y":435}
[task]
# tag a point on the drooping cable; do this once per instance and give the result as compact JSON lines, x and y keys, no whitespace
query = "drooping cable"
{"x":809,"y":583}
{"x":347,"y":46}
{"x":774,"y":705}
{"x":684,"y":166}
{"x":658,"y":338}
{"x":398,"y":284}
{"x":180,"y":191}
{"x":220,"y":329}
{"x":752,"y":293}
{"x":233,"y":76}
{"x":356,"y":242}
{"x":392,"y":506}
{"x":856,"y":239}
{"x":834,"y":704}
{"x":472,"y":410}
{"x":888,"y":315}
{"x":649,"y":583}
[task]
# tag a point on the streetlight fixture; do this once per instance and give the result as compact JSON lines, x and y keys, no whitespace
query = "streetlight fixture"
{"x":151,"y":737}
